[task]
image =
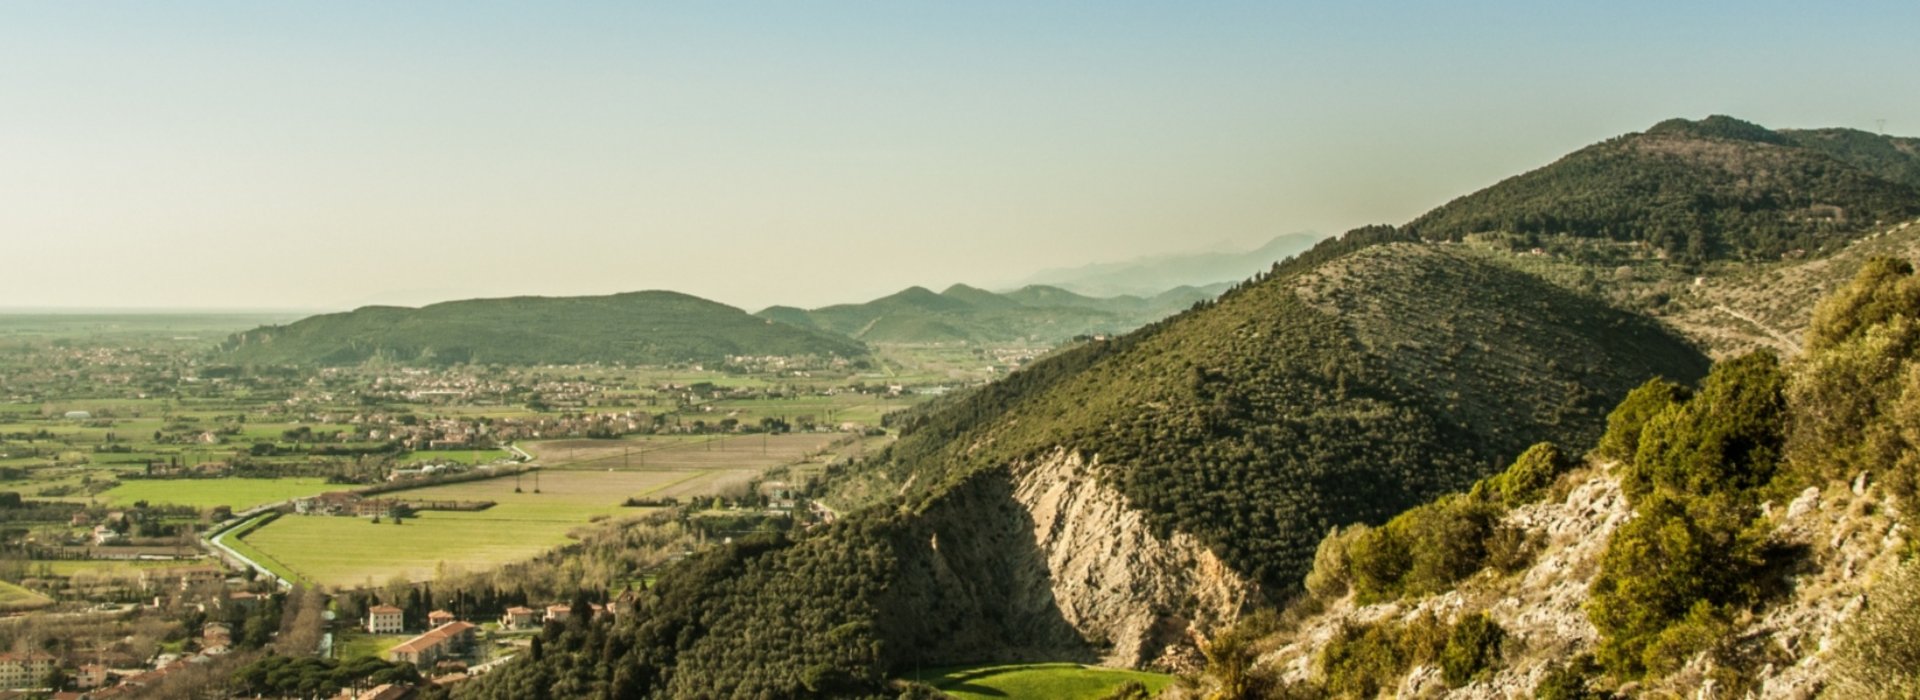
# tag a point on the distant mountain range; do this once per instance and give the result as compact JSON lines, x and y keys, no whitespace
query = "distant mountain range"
{"x":1033,"y":313}
{"x":1153,"y":275}
{"x":652,"y":327}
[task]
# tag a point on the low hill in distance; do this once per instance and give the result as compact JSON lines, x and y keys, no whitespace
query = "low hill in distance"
{"x":1717,"y":188}
{"x":652,"y":327}
{"x":1149,"y":276}
{"x":964,"y":314}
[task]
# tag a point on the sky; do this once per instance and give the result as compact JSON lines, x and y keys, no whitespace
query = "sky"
{"x":292,"y":155}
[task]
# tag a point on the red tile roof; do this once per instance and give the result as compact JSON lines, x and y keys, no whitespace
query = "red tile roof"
{"x":436,"y":637}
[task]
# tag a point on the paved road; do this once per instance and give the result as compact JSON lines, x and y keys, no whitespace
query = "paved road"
{"x":217,"y":545}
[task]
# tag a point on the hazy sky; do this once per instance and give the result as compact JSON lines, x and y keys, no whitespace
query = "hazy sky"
{"x":324,"y":155}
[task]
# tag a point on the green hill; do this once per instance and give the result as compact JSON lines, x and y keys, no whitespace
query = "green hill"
{"x":964,"y":314}
{"x":651,"y":327}
{"x":1718,"y":188}
{"x":1346,"y":386}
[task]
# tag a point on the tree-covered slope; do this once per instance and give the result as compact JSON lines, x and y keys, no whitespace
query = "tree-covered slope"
{"x":1309,"y":398}
{"x":636,"y":327}
{"x":1330,"y":393}
{"x":964,"y":314}
{"x":1699,"y":190}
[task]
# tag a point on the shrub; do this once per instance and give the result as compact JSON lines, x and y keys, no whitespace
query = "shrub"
{"x":1627,"y":420}
{"x":1424,"y":550}
{"x":1879,"y":652}
{"x":1473,"y":647}
{"x":1727,"y":438}
{"x":1332,"y":573}
{"x":1678,"y":552}
{"x":1361,"y":661}
{"x":1570,"y":681}
{"x":1527,"y":479}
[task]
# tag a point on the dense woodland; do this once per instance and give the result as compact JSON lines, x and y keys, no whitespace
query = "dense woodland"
{"x":1698,"y":191}
{"x":632,"y":328}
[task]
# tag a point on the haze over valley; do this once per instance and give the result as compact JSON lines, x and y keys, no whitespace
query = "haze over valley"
{"x":964,"y":352}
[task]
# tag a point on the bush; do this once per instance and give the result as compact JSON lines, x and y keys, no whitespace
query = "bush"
{"x":1727,"y":438}
{"x":1677,"y":553}
{"x":1570,"y":681}
{"x":1332,"y":574}
{"x":1424,"y":550}
{"x":1627,"y":420}
{"x":1473,"y":647}
{"x":1361,"y":661}
{"x":1879,"y":652}
{"x":1527,"y":479}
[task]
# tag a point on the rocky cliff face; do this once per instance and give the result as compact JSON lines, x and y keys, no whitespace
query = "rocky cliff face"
{"x":1041,"y":560}
{"x":1848,"y":532}
{"x":1113,"y":577}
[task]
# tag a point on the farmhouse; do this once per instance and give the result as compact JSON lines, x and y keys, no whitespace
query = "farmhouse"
{"x":187,"y":577}
{"x":385,"y":619}
{"x":445,"y":641}
{"x":519,"y":618}
{"x":559,"y":613}
{"x":438,"y":618}
{"x":24,"y":670}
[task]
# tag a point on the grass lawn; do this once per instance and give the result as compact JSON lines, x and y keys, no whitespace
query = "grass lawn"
{"x":1058,"y":681}
{"x":353,"y":645}
{"x":206,"y":493}
{"x":13,"y":597}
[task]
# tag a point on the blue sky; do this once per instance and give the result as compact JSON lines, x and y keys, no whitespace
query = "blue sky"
{"x":315,"y":155}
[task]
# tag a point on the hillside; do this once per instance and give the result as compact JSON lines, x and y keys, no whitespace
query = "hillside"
{"x":637,"y":328}
{"x":1111,"y":501}
{"x":1718,"y":188}
{"x":1748,"y":538}
{"x":964,"y":314}
{"x":1151,"y":275}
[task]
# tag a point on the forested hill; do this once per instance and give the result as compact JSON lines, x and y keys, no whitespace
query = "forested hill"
{"x":1330,"y":392}
{"x":637,"y":328}
{"x":1349,"y":384}
{"x":1717,"y":188}
{"x":962,"y":313}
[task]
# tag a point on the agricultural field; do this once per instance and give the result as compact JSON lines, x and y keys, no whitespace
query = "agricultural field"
{"x":15,"y":598}
{"x":731,"y":452}
{"x":236,"y":493}
{"x":344,"y":551}
{"x":457,"y":456}
{"x":1055,"y":681}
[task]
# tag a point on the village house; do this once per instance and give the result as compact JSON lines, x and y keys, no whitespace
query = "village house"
{"x":24,"y":670}
{"x":443,"y":642}
{"x":217,"y":634}
{"x":559,"y":613}
{"x":519,"y":618}
{"x":438,"y":618}
{"x":385,"y":619}
{"x":106,"y":535}
{"x":186,"y":577}
{"x":90,"y":676}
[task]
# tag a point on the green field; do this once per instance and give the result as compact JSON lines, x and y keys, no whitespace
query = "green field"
{"x":206,"y":493}
{"x":342,"y":551}
{"x":353,"y":645}
{"x":13,"y":597}
{"x":1057,"y":681}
